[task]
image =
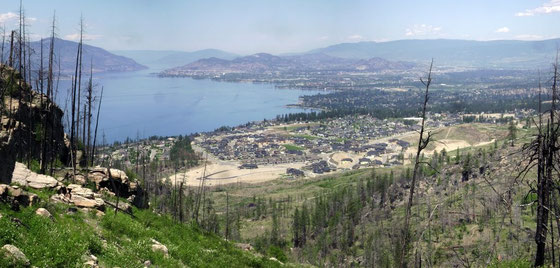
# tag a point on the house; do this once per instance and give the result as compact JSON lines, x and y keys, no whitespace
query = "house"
{"x":295,"y":172}
{"x":248,"y":166}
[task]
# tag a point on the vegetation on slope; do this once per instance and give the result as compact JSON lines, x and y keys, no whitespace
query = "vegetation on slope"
{"x":116,"y":240}
{"x":470,"y":211}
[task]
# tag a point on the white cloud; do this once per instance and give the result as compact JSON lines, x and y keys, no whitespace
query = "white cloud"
{"x":323,"y":38}
{"x":11,"y":16}
{"x":549,"y":7}
{"x":381,"y":40}
{"x":4,"y":17}
{"x":503,"y":30}
{"x":85,"y":37}
{"x":529,"y":37}
{"x":422,"y":30}
{"x":355,"y":37}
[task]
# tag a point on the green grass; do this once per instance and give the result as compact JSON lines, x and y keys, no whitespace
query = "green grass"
{"x":293,"y":147}
{"x":116,"y":240}
{"x":187,"y":245}
{"x":47,"y":243}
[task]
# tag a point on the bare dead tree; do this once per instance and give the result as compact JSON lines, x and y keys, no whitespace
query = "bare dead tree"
{"x":542,"y":152}
{"x":20,"y":45}
{"x":181,"y":201}
{"x":3,"y":44}
{"x":84,"y":155}
{"x":50,"y":80}
{"x":79,"y":93}
{"x":200,"y":190}
{"x":51,"y":132}
{"x":549,"y":150}
{"x":422,"y":143}
{"x":2,"y":71}
{"x":96,"y":125}
{"x":89,"y":103}
{"x":43,"y":156}
{"x":75,"y":96}
{"x":227,"y":216}
{"x":50,"y":96}
{"x":26,"y":51}
{"x":11,"y":57}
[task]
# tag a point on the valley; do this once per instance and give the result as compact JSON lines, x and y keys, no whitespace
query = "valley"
{"x":279,"y":134}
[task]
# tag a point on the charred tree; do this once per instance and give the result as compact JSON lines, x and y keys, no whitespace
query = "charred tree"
{"x":89,"y":104}
{"x":96,"y":126}
{"x":422,"y":143}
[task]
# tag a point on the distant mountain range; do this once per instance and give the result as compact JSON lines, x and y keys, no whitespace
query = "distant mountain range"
{"x":375,"y":56}
{"x":267,"y":63}
{"x":463,"y":53}
{"x":361,"y":56}
{"x":65,"y":52}
{"x":168,"y":58}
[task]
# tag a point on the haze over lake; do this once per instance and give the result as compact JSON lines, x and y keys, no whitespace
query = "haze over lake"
{"x":145,"y":104}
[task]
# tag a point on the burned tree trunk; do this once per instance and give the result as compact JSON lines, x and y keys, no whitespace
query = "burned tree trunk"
{"x":96,"y":125}
{"x":89,"y":103}
{"x":11,"y":57}
{"x":422,"y":143}
{"x":544,"y":150}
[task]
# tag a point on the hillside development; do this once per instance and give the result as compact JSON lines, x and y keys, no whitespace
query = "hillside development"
{"x":270,"y":151}
{"x":466,"y":211}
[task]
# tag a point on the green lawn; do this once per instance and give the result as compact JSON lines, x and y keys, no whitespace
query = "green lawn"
{"x":293,"y":147}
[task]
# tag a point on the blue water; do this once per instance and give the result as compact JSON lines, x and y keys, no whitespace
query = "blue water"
{"x":140,"y":103}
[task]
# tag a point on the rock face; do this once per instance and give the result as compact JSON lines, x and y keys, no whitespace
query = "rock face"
{"x":26,"y":177}
{"x":27,"y":118}
{"x":114,"y":180}
{"x":107,"y":181}
{"x":12,"y":252}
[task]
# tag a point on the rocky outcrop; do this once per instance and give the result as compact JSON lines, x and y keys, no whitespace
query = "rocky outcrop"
{"x":79,"y":196}
{"x":116,"y":181}
{"x":26,"y":118}
{"x":25,"y":177}
{"x":16,"y":197}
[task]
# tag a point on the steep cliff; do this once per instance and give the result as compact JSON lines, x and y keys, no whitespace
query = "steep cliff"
{"x":31,"y":127}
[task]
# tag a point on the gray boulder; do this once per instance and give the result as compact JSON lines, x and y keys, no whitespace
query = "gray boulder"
{"x":12,"y":252}
{"x":25,"y":177}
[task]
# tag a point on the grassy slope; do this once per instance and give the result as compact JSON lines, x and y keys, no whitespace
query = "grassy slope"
{"x":116,"y":240}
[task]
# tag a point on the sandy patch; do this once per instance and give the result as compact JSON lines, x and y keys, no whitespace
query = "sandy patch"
{"x":448,"y":145}
{"x":228,"y":172}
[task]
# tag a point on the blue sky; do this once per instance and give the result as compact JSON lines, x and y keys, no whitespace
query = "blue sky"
{"x":284,"y":26}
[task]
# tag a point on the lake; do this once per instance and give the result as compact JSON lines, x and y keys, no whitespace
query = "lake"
{"x":141,"y":103}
